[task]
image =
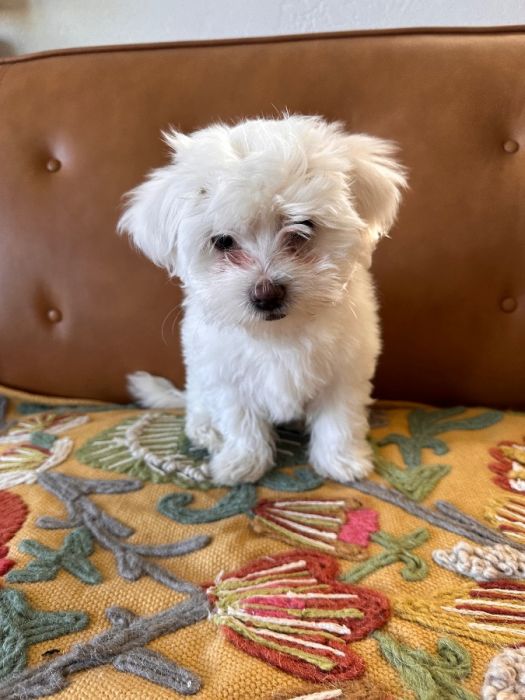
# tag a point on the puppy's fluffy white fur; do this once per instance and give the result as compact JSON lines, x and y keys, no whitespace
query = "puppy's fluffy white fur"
{"x":294,"y":202}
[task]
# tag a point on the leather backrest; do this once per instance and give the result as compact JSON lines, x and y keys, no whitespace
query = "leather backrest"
{"x":79,"y":309}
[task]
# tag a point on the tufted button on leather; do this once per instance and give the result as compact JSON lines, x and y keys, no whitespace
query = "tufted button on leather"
{"x":510,"y":146}
{"x":53,"y":165}
{"x":508,"y":305}
{"x":54,"y":315}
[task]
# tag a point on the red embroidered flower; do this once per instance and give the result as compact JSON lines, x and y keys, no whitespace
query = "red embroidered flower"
{"x":509,"y":466}
{"x":13,"y":512}
{"x":291,"y":611}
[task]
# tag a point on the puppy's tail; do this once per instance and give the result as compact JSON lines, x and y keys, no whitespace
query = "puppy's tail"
{"x":154,"y":392}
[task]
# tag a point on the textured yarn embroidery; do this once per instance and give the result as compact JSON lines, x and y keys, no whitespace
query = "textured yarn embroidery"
{"x":414,"y":482}
{"x":54,"y":423}
{"x":443,"y":514}
{"x":122,"y":646}
{"x":509,"y":466}
{"x":133,"y":560}
{"x":24,"y":463}
{"x":482,"y":563}
{"x":13,"y":512}
{"x":508,"y":515}
{"x":290,"y":611}
{"x":238,"y":500}
{"x":425,"y":425}
{"x":21,"y":625}
{"x":338,"y":527}
{"x":490,"y":612}
{"x":72,"y":556}
{"x":152,"y":447}
{"x":397,"y":549}
{"x":505,"y":676}
{"x":429,"y":677}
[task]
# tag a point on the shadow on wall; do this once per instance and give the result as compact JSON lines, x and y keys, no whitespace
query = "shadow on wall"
{"x":6,"y":49}
{"x":14,"y":8}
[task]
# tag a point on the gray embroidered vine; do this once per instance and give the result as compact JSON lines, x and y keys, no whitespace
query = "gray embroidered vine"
{"x":123,"y":646}
{"x":443,"y":515}
{"x":3,"y":411}
{"x":132,"y":559}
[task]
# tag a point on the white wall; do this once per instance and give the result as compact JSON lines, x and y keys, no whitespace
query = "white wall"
{"x":37,"y":25}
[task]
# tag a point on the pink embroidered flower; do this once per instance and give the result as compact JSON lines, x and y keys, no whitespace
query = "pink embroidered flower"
{"x":339,"y":527}
{"x":291,"y":611}
{"x":360,"y":524}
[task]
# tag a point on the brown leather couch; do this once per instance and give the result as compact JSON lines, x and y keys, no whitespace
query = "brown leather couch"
{"x":79,"y":309}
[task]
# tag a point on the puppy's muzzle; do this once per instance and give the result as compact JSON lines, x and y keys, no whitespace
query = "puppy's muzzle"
{"x":269,"y":297}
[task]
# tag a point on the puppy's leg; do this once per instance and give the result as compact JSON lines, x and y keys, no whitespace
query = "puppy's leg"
{"x":339,"y":425}
{"x":248,"y":448}
{"x":199,"y":425}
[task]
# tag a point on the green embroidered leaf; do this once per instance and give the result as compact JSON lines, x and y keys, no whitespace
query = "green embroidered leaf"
{"x":397,"y":549}
{"x":415,"y":483}
{"x":72,"y":556}
{"x":298,"y":479}
{"x":240,"y":499}
{"x":21,"y":625}
{"x":429,"y":677}
{"x":425,"y":424}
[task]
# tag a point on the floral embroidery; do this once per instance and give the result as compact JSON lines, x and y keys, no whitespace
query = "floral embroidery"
{"x":72,"y":556}
{"x":338,"y":527}
{"x":13,"y":512}
{"x":509,"y":466}
{"x":152,"y":447}
{"x":508,"y":515}
{"x":24,"y":463}
{"x":489,"y":612}
{"x":426,"y":675}
{"x":482,"y":563}
{"x":396,"y":549}
{"x":290,"y":611}
{"x":54,"y":423}
{"x":505,"y":676}
{"x":21,"y":625}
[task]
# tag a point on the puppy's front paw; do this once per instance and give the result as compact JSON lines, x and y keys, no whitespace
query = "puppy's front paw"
{"x":203,"y":434}
{"x":235,"y":465}
{"x":350,"y":464}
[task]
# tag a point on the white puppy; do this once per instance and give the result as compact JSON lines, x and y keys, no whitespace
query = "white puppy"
{"x":270,"y":225}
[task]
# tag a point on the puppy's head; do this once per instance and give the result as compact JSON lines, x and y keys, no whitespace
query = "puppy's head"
{"x":267,"y":219}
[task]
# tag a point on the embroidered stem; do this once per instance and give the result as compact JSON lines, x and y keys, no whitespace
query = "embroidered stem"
{"x":397,"y":549}
{"x":429,"y":677}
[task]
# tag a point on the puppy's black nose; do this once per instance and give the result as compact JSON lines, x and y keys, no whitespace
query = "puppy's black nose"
{"x":268,"y":296}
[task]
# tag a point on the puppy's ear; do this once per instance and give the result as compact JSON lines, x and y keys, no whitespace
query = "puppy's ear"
{"x":153,"y":212}
{"x":376,"y":183}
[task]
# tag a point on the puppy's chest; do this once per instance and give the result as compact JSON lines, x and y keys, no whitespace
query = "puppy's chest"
{"x":279,"y":382}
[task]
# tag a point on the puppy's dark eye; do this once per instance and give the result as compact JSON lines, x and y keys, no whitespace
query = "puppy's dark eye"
{"x":223,"y":243}
{"x":308,"y":222}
